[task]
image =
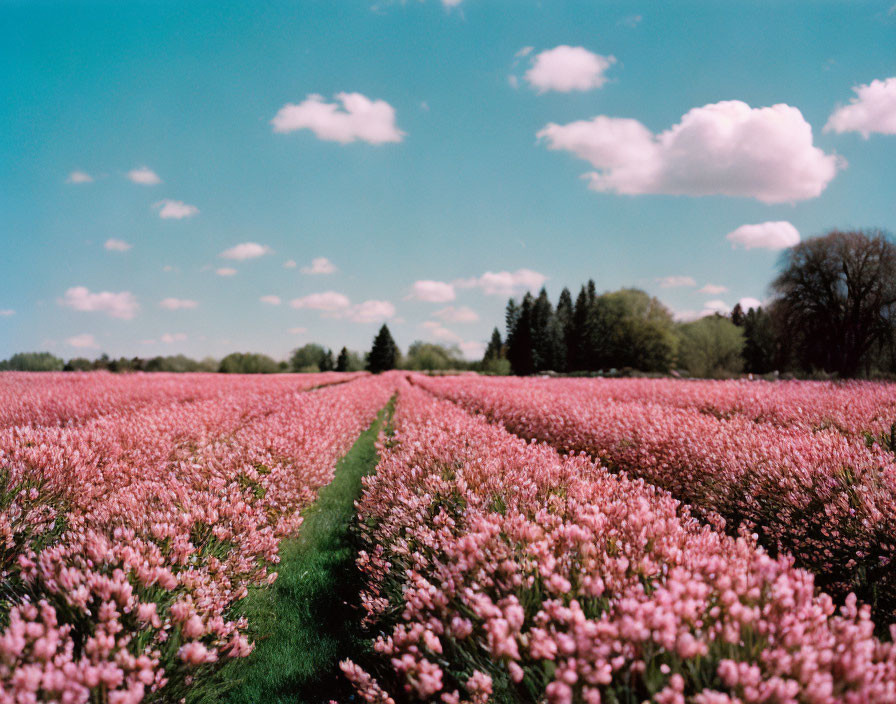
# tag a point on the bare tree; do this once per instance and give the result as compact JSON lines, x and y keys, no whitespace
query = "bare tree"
{"x":836,"y":298}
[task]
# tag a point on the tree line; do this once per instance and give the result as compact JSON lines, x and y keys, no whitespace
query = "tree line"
{"x":831,"y":311}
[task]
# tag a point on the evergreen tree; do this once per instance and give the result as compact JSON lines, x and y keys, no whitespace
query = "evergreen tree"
{"x":519,"y":346}
{"x":542,"y":343}
{"x":759,"y":342}
{"x":383,"y":355}
{"x":342,"y":360}
{"x":563,"y":332}
{"x":326,"y":361}
{"x":737,"y":315}
{"x":578,"y":337}
{"x":495,"y":349}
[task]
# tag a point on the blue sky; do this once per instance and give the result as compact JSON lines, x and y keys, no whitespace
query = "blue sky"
{"x":435,"y":157}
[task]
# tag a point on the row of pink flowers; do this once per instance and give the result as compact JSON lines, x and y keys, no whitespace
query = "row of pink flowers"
{"x":130,"y":528}
{"x":825,"y":497}
{"x":497,"y":568}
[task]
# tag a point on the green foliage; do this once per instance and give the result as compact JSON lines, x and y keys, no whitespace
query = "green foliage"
{"x":349,"y":361}
{"x":32,"y":362}
{"x":311,"y":358}
{"x":632,"y":329}
{"x":710,"y":347}
{"x":429,"y":356}
{"x":248,"y":363}
{"x":384,"y":354}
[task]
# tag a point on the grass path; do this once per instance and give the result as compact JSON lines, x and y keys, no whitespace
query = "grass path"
{"x":308,"y":618}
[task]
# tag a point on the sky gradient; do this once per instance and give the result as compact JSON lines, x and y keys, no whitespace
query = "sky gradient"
{"x":212,"y":177}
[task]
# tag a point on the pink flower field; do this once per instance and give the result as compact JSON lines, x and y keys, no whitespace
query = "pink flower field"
{"x":518,"y":539}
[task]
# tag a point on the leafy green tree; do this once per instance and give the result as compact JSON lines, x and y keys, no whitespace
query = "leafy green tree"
{"x":33,"y":362}
{"x":384,"y":354}
{"x":711,"y":347}
{"x":635,"y":330}
{"x":760,"y":349}
{"x":78,"y":364}
{"x":309,"y":358}
{"x":326,"y":363}
{"x":429,"y":356}
{"x":248,"y":363}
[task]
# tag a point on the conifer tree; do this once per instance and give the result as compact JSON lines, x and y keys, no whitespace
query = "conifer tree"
{"x":563,"y":332}
{"x":384,"y":353}
{"x":542,"y":344}
{"x":342,"y":360}
{"x":495,"y":349}
{"x":519,"y":346}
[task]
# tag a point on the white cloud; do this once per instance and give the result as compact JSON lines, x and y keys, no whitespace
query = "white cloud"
{"x":271,"y":300}
{"x":676,"y":281}
{"x":716,"y":306}
{"x":319,"y":265}
{"x":6,"y":312}
{"x":177,"y":303}
{"x":175,"y":209}
{"x":84,"y":341}
{"x":725,"y":148}
{"x":746,"y":303}
{"x":169,"y":338}
{"x":79,"y":177}
{"x":225,"y":271}
{"x":567,"y":68}
{"x":144,"y":176}
{"x":358,"y":118}
{"x":872,"y":110}
{"x":329,"y":301}
{"x":246,"y":250}
{"x":290,"y":264}
{"x":778,"y":234}
{"x":370,"y":312}
{"x":114,"y":245}
{"x":432,"y":291}
{"x":472,"y":349}
{"x":116,"y":305}
{"x":713,"y":289}
{"x":464,"y":314}
{"x":504,"y":283}
{"x":298,"y":331}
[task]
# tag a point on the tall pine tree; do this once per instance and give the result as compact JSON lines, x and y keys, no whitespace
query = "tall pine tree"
{"x":563,"y":332}
{"x":519,"y":344}
{"x":384,"y":353}
{"x":342,"y":360}
{"x":542,"y":344}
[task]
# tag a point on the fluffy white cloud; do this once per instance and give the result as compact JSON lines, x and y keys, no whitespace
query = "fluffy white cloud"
{"x":464,"y":314}
{"x":432,"y":291}
{"x":725,"y":148}
{"x":169,"y":338}
{"x":358,"y":118}
{"x":79,"y":177}
{"x":319,"y":265}
{"x":713,"y":289}
{"x":114,"y":245}
{"x":872,"y":110}
{"x":271,"y":300}
{"x":144,"y":176}
{"x":676,"y":281}
{"x":298,"y":331}
{"x":470,"y":349}
{"x":246,"y":250}
{"x":504,"y":283}
{"x":567,"y":68}
{"x":6,"y":312}
{"x":290,"y":264}
{"x":116,"y":305}
{"x":715,"y":306}
{"x":778,"y":234}
{"x":84,"y":341}
{"x":177,"y":303}
{"x":225,"y":271}
{"x":746,"y":303}
{"x":327,"y":301}
{"x":370,"y":312}
{"x":175,"y":209}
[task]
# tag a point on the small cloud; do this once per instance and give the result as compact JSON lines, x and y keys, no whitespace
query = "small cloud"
{"x":246,"y":250}
{"x":168,"y":268}
{"x":463,"y":314}
{"x":83,"y":341}
{"x":676,"y":281}
{"x":114,"y":245}
{"x":116,"y":305}
{"x":872,"y":110}
{"x":713,"y":290}
{"x":175,"y":209}
{"x":568,"y":68}
{"x":177,"y":303}
{"x":329,"y":301}
{"x":432,"y":291}
{"x":746,"y":303}
{"x":289,"y":264}
{"x":320,"y":265}
{"x":79,"y":177}
{"x":525,"y":51}
{"x":225,"y":271}
{"x":298,"y":331}
{"x":504,"y":283}
{"x":144,"y":176}
{"x":6,"y":312}
{"x":766,"y":235}
{"x":271,"y":300}
{"x":170,"y":338}
{"x":472,"y":349}
{"x":716,"y":306}
{"x":370,"y":312}
{"x":358,"y":118}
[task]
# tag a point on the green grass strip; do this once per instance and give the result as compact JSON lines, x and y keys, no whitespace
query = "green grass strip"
{"x":309,"y":618}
